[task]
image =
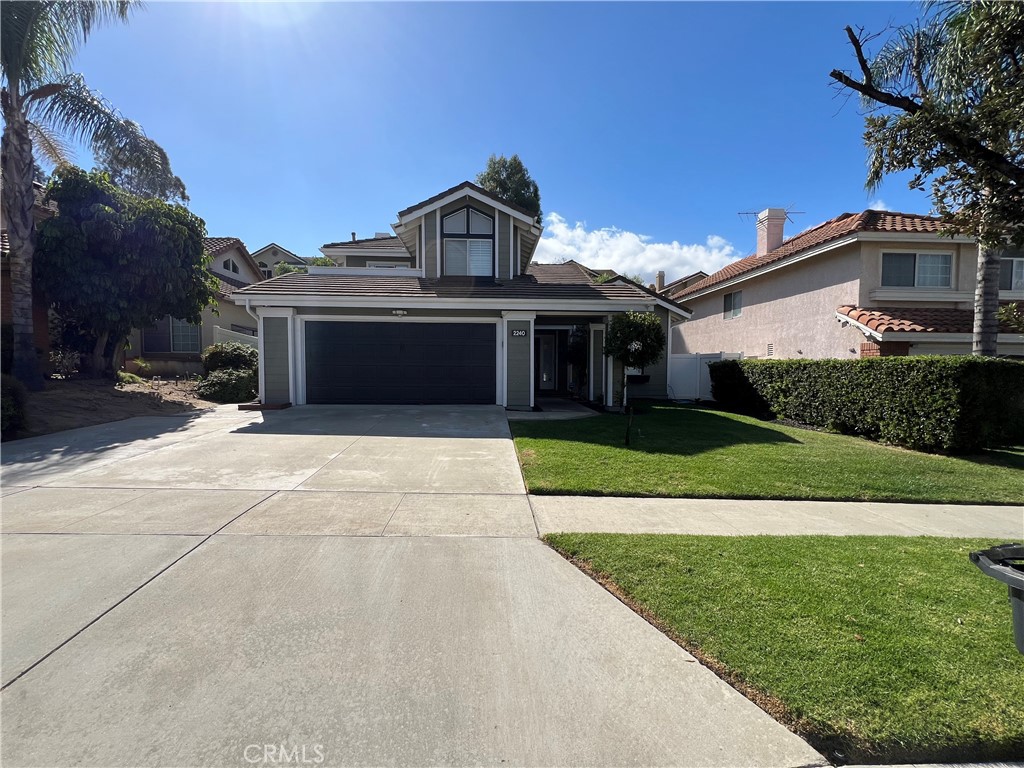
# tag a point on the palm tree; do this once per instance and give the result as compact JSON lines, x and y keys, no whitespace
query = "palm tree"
{"x":954,"y":81}
{"x":45,"y":105}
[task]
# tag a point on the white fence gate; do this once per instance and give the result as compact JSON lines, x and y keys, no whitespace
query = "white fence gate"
{"x":689,"y":377}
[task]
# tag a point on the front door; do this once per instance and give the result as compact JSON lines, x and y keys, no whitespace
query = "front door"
{"x":548,"y":365}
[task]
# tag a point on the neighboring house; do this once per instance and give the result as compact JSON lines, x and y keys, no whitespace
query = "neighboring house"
{"x":382,"y":251}
{"x":270,"y":255}
{"x":465,"y":318}
{"x":172,"y":347}
{"x":859,"y":285}
{"x":40,"y":304}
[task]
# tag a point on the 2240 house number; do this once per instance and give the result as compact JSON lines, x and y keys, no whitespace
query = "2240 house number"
{"x":518,"y":333}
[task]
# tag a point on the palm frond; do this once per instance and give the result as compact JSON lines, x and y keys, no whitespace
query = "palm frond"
{"x":80,"y":114}
{"x":40,"y":38}
{"x":50,"y":145}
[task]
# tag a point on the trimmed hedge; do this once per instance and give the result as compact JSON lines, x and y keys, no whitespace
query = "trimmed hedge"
{"x":230,"y":354}
{"x":228,"y":385}
{"x":949,"y":404}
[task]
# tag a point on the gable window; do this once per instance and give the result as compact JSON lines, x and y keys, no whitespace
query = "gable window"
{"x":184,"y":336}
{"x":468,"y":243}
{"x":917,"y":270}
{"x":1011,"y":275}
{"x":229,"y":265}
{"x":733,"y":305}
{"x":267,"y":271}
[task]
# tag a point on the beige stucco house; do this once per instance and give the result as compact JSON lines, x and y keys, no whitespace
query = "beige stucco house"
{"x":862,"y":284}
{"x":172,"y":347}
{"x":450,"y":309}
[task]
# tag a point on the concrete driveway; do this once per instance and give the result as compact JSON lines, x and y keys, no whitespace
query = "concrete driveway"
{"x":355,"y":586}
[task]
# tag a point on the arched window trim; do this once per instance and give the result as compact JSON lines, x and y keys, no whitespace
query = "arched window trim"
{"x":468,"y":239}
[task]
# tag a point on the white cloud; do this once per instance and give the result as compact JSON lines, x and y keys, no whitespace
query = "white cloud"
{"x":878,"y":204}
{"x":629,"y":253}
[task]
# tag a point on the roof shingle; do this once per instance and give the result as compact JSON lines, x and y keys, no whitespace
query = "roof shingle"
{"x":833,"y":229}
{"x":550,"y":282}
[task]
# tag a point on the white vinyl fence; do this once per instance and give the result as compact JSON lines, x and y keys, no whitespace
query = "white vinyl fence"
{"x":689,"y":377}
{"x":221,"y":335}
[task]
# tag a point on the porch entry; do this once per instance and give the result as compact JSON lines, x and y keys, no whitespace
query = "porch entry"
{"x":560,"y":354}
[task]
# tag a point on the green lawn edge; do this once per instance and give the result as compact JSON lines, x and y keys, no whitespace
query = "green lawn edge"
{"x":680,"y":451}
{"x":935,"y":716}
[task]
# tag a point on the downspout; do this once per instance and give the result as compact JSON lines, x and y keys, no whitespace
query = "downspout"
{"x":259,"y":347}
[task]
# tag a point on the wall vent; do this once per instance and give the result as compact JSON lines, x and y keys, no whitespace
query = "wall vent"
{"x":771,"y":350}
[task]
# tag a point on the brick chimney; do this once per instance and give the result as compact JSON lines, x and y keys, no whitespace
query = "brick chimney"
{"x":659,"y":282}
{"x":770,"y":225}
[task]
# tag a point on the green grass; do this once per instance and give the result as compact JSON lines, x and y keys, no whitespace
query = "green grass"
{"x":878,"y":648}
{"x":701,"y":453}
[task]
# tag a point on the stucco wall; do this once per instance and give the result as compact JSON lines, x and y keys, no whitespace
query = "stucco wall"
{"x":792,"y":308}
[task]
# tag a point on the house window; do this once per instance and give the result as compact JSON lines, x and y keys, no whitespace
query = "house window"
{"x":468,"y":243}
{"x":267,"y":271}
{"x":1011,"y":275}
{"x":733,"y":306}
{"x":229,"y":265}
{"x":917,"y":270}
{"x":184,"y":336}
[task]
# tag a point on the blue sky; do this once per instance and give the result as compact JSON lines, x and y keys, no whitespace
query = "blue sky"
{"x":649,"y":127}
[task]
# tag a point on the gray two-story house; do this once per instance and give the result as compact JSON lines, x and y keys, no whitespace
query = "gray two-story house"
{"x":449,"y":310}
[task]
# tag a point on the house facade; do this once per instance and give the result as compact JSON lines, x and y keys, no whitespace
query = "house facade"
{"x":270,"y":255}
{"x":860,"y":285}
{"x":450,"y":309}
{"x":172,"y":347}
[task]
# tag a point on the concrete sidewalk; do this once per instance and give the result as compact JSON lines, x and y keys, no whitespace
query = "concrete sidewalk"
{"x":731,"y":517}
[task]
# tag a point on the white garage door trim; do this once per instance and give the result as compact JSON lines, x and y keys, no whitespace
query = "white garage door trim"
{"x":298,"y":360}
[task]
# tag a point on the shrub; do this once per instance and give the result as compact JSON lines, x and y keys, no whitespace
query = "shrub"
{"x":13,"y":398}
{"x":65,"y":361}
{"x":124,"y":377}
{"x":230,"y":354}
{"x":6,"y":348}
{"x":228,"y":385}
{"x":953,"y":404}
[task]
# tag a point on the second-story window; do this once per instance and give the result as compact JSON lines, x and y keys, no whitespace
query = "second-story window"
{"x":1011,"y":274}
{"x":230,"y":266}
{"x":917,"y":270}
{"x":267,"y":271}
{"x":733,"y":305}
{"x":468,"y":243}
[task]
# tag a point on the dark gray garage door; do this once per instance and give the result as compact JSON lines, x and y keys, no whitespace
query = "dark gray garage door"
{"x":400,"y":362}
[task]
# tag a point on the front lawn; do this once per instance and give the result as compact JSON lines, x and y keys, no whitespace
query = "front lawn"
{"x":876,"y":649}
{"x":701,"y":453}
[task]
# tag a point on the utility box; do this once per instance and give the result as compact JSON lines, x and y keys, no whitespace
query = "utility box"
{"x":1005,"y":563}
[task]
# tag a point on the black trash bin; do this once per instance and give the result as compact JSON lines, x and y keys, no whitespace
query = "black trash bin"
{"x":1006,"y":563}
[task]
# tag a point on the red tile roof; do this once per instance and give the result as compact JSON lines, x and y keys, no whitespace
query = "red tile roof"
{"x":833,"y":229}
{"x":913,"y":319}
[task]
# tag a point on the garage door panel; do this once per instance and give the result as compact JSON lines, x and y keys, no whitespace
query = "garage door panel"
{"x":444,"y":363}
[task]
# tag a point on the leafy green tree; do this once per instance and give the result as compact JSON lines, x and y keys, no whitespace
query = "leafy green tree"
{"x":45,"y":105}
{"x":509,"y":179}
{"x":111,"y":261}
{"x":636,"y":340}
{"x":284,"y":268}
{"x":945,"y":100}
{"x":148,"y":175}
